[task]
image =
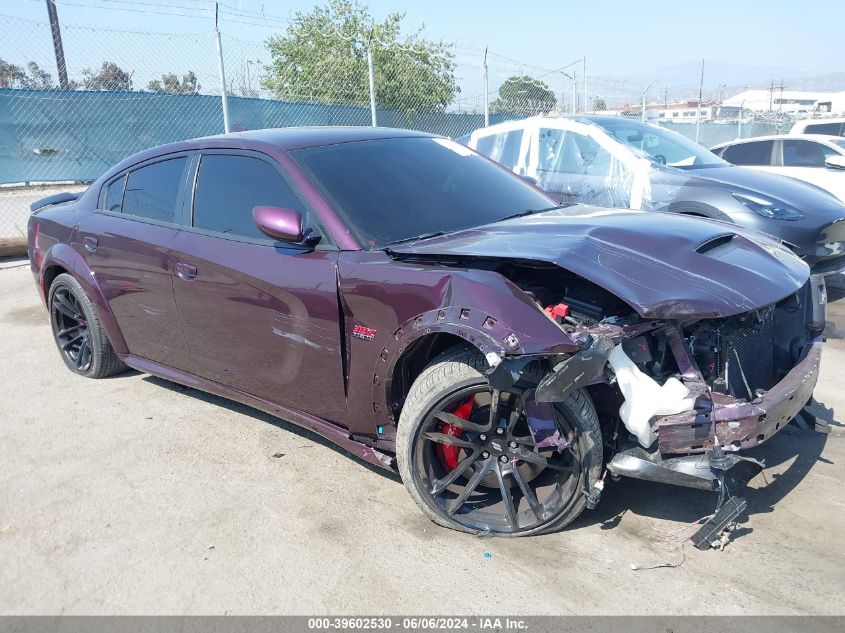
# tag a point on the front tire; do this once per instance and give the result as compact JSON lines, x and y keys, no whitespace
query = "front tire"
{"x":477,"y":460}
{"x":79,"y":335}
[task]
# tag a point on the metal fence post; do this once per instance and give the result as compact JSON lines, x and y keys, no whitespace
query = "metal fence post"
{"x":372,"y":85}
{"x":224,"y":100}
{"x":486,"y":91}
{"x":585,"y":86}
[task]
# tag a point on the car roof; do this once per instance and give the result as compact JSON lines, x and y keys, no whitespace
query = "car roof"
{"x":290,"y":138}
{"x":597,"y":120}
{"x":783,"y":137}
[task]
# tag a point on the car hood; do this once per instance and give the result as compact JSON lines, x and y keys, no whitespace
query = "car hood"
{"x":796,"y":193}
{"x":663,"y":265}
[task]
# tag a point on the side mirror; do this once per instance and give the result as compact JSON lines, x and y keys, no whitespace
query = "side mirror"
{"x":279,"y":223}
{"x":835,"y":162}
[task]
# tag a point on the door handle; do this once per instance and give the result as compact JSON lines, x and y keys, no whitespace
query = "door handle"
{"x":185,"y":271}
{"x":90,"y":243}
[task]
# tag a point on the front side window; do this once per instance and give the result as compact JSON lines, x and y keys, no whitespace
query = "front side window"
{"x":152,"y":190}
{"x":660,"y":145}
{"x":398,"y":188}
{"x":754,"y":153}
{"x":805,"y":154}
{"x":229,"y":187}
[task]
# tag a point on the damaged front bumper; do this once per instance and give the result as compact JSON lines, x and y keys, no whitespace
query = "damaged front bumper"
{"x":740,"y":424}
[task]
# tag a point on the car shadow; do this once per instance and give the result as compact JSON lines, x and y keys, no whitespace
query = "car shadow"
{"x":237,"y":407}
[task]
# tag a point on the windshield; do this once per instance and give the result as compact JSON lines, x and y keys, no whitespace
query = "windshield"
{"x":660,"y":145}
{"x":389,"y":190}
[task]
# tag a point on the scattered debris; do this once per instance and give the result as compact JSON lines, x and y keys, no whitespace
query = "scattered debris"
{"x":487,"y":554}
{"x":211,"y":547}
{"x":278,"y":455}
{"x":711,"y":533}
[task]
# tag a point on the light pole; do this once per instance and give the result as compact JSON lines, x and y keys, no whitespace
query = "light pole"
{"x":642,"y":114}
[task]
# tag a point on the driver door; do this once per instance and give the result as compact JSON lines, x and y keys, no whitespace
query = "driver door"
{"x":258,"y":316}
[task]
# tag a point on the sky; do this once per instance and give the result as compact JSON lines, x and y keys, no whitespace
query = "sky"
{"x":619,"y":39}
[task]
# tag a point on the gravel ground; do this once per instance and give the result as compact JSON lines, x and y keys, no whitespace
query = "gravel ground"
{"x":133,"y":495}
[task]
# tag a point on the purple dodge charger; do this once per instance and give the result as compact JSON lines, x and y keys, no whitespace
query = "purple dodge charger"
{"x":431,"y":312}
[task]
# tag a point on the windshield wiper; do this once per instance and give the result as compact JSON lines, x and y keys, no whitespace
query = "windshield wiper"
{"x":423,"y":236}
{"x":522,"y":214}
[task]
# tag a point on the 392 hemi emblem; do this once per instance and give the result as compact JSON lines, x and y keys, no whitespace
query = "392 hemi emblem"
{"x":364,"y":333}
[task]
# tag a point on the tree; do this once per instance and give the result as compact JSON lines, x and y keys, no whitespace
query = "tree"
{"x":170,"y":84}
{"x":599,"y":105}
{"x":522,"y":94}
{"x":322,"y":58}
{"x":38,"y":78}
{"x":110,"y":77}
{"x":13,"y":76}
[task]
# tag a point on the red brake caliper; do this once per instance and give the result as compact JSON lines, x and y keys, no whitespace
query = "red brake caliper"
{"x":449,"y":454}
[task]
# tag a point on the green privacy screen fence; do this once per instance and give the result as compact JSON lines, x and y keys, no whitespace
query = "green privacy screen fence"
{"x":51,"y":135}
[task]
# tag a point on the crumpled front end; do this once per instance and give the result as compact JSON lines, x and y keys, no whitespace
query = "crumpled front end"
{"x":674,"y":393}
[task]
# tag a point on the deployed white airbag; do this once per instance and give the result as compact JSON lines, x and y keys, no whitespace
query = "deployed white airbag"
{"x":645,"y":398}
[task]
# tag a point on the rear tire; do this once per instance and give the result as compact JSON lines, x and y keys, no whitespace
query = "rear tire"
{"x":524,"y":485}
{"x":79,"y":335}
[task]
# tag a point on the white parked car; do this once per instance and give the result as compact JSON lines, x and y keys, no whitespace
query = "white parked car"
{"x":827,"y":127}
{"x":813,"y":158}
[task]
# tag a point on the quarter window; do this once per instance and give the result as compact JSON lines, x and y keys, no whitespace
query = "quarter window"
{"x":754,"y":153}
{"x":114,"y":195}
{"x":229,"y":187}
{"x":834,"y":129}
{"x":152,"y":190}
{"x":485,"y":145}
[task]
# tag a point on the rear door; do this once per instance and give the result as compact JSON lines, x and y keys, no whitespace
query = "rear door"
{"x":259,"y":316}
{"x":126,"y":243}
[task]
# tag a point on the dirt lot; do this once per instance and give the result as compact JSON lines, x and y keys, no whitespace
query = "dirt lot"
{"x":134,"y":495}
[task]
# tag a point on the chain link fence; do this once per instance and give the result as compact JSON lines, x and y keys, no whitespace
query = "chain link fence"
{"x":127,"y":91}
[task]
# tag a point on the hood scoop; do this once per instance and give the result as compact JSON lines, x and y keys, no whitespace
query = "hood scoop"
{"x":713,"y":243}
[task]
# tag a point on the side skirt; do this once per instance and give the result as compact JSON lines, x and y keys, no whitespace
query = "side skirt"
{"x":329,"y":431}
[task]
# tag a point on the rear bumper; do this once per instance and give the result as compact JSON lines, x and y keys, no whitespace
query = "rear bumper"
{"x":740,"y":424}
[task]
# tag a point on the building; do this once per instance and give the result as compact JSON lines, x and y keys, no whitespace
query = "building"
{"x":794,"y":102}
{"x":682,"y":112}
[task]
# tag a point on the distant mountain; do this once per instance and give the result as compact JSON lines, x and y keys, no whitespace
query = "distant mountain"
{"x":716,"y":74}
{"x":680,"y":81}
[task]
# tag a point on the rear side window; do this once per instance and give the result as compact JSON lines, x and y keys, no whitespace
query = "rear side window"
{"x":151,"y":191}
{"x":228,"y":187}
{"x":754,"y":153}
{"x":114,"y":195}
{"x":805,"y":153}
